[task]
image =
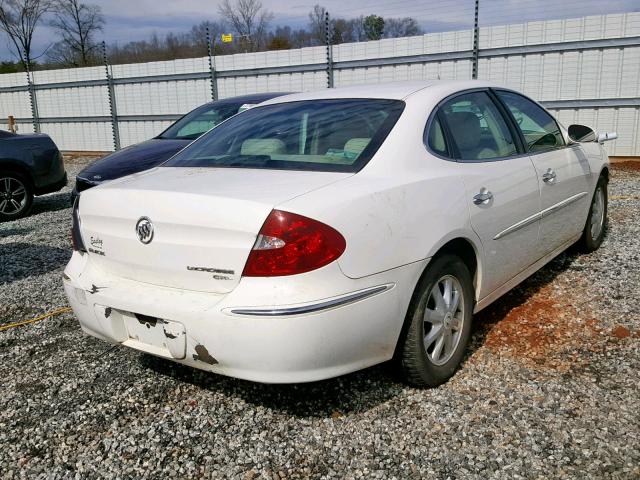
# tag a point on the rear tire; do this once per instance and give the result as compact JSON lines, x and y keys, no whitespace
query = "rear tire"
{"x":595,"y":228}
{"x":438,"y":323}
{"x":16,"y":196}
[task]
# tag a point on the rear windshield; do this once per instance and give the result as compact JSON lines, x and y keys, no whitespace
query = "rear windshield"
{"x":326,"y":135}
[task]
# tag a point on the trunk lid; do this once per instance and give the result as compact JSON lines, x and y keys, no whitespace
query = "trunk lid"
{"x":205,"y":222}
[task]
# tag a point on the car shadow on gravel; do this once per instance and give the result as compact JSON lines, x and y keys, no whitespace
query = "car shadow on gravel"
{"x":357,"y":392}
{"x":360,"y":391}
{"x":51,"y":203}
{"x":22,"y":260}
{"x":12,"y":231}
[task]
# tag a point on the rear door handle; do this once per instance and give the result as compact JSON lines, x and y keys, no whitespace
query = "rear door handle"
{"x":482,"y":198}
{"x":549,"y":176}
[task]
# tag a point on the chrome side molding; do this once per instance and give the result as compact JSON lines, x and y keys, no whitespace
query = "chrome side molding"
{"x":563,"y":203}
{"x":313,"y":307}
{"x":537,"y":216}
{"x":517,"y":226}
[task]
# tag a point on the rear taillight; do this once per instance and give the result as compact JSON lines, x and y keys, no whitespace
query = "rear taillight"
{"x":289,"y":244}
{"x":76,"y":237}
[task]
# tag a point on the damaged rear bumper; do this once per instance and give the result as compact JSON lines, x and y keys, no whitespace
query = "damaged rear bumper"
{"x":278,"y":330}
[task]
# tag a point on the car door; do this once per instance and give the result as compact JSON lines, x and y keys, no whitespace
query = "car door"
{"x":501,"y":186}
{"x":563,"y":171}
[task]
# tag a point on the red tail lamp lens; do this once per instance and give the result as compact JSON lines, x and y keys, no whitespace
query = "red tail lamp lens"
{"x":289,"y":244}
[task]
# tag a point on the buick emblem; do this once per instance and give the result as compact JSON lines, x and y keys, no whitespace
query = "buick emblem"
{"x":144,"y":230}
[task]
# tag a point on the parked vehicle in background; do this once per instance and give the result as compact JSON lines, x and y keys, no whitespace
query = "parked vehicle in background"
{"x":148,"y":154}
{"x":30,"y":165}
{"x":323,"y":232}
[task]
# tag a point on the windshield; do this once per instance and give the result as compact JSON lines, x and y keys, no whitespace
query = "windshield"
{"x":337,"y":135}
{"x":200,"y":120}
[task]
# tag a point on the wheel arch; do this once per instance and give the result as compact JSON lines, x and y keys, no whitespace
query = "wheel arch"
{"x":464,"y":244}
{"x":12,"y":166}
{"x":464,"y":248}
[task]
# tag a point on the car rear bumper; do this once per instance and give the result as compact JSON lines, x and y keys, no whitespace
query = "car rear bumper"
{"x":54,"y":186}
{"x":231,"y":334}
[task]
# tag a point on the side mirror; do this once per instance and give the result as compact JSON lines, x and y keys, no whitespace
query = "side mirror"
{"x":604,"y":137}
{"x":580,"y":133}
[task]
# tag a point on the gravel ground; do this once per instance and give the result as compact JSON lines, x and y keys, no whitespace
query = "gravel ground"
{"x":549,"y":389}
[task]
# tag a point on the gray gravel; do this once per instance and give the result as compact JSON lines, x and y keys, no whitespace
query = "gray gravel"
{"x":549,"y":390}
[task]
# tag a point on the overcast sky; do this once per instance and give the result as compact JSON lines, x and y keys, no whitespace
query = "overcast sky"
{"x":128,"y":20}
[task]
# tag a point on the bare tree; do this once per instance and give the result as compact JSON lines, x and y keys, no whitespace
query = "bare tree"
{"x":317,"y":23}
{"x":357,"y":29}
{"x":249,"y":20}
{"x":76,"y":23}
{"x":401,"y":27}
{"x":199,"y":37}
{"x":19,"y":19}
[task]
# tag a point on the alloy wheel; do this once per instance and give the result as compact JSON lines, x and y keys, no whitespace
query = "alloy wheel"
{"x":443,"y":319}
{"x":13,"y":196}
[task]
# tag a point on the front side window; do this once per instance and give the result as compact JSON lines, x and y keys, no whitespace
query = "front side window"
{"x":199,"y":121}
{"x":539,"y":129}
{"x":327,"y":135}
{"x":477,"y":128}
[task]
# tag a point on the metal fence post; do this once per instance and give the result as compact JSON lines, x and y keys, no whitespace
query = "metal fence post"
{"x":476,"y":40}
{"x":327,"y":39}
{"x":212,"y":71}
{"x":35,"y":117}
{"x":113,"y":110}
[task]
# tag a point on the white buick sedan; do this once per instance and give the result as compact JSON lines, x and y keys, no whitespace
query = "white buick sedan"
{"x":321,"y":233}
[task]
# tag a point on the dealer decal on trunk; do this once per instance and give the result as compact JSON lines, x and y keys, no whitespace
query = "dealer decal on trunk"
{"x":96,"y":246}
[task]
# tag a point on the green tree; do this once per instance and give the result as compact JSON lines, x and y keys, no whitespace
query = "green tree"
{"x":373,"y":27}
{"x":9,"y":67}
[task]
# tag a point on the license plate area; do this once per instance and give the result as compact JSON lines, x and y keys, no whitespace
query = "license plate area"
{"x":164,"y":338}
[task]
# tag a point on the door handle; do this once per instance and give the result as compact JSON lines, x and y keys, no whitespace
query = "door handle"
{"x":549,"y":176}
{"x":482,"y":198}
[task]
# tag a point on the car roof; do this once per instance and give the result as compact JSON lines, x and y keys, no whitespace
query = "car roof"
{"x":392,"y":90}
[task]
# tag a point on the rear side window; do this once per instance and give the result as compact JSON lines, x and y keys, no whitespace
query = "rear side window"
{"x":435,"y":138}
{"x":337,"y":135}
{"x":539,"y":129}
{"x":478,"y":129}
